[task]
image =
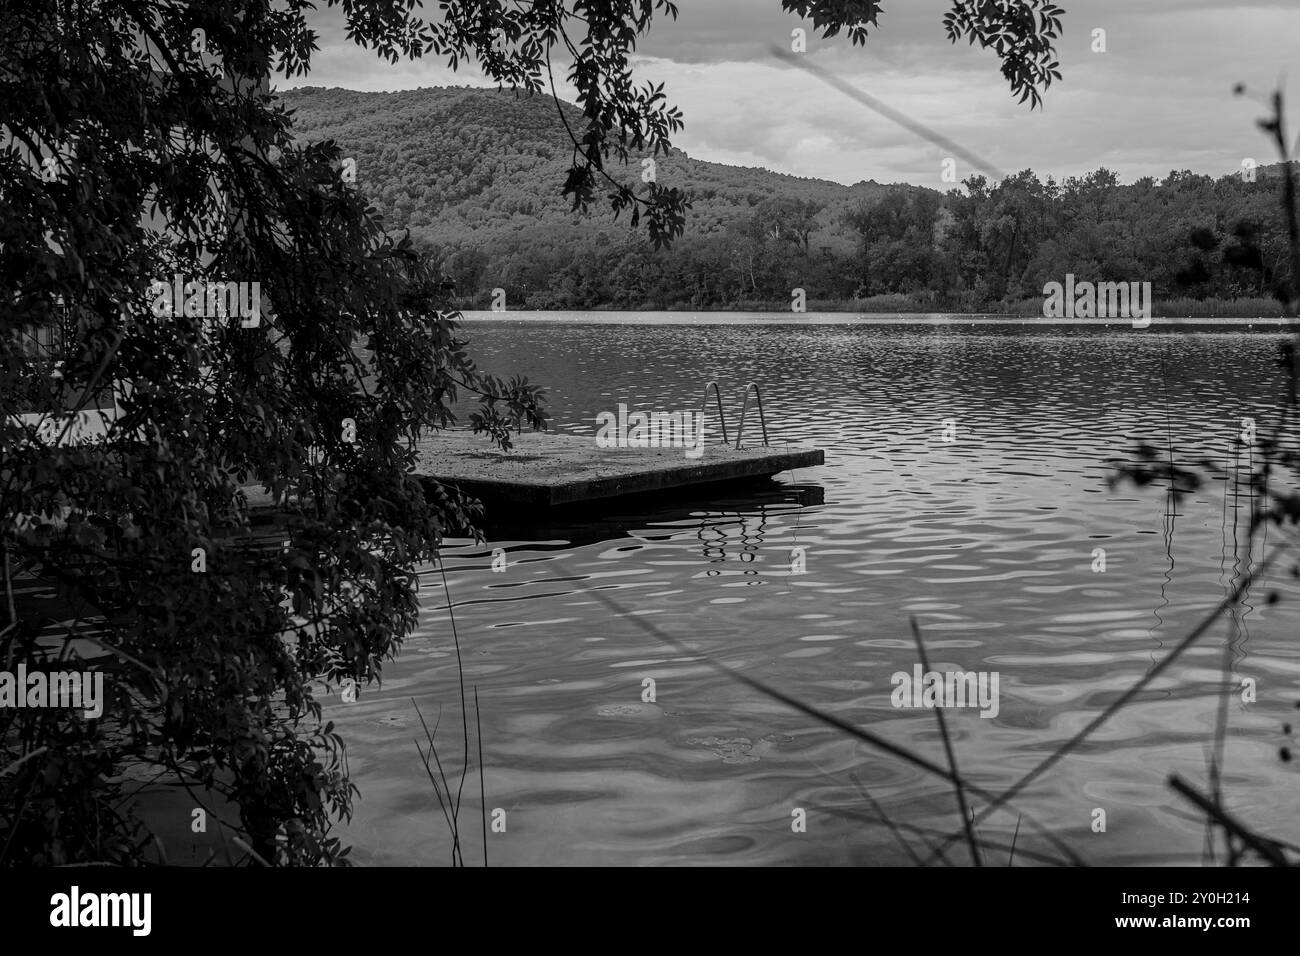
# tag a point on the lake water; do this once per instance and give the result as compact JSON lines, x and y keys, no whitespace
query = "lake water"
{"x":988,"y":540}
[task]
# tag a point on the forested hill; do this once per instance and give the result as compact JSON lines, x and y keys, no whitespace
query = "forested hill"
{"x":453,"y":163}
{"x":450,"y":163}
{"x":476,"y":177}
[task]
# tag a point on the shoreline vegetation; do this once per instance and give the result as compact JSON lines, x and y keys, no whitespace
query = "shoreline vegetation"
{"x":1206,"y":246}
{"x":1260,"y":307}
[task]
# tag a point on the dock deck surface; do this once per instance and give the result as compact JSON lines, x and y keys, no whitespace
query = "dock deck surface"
{"x":546,"y":469}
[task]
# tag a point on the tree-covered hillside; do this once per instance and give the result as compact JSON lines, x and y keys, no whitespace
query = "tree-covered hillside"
{"x":453,"y":162}
{"x":477,"y":175}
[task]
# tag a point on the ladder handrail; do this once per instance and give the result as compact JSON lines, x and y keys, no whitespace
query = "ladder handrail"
{"x":744,"y":408}
{"x":722,"y":419}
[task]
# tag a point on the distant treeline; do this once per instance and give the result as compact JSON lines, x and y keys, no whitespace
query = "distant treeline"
{"x":475,"y":176}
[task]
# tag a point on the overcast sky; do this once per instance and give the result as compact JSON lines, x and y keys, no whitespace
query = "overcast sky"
{"x":1160,"y":97}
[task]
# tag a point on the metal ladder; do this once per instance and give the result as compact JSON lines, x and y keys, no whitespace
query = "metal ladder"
{"x":744,"y":409}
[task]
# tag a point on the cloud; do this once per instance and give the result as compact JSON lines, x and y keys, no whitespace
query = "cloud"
{"x":1158,"y":99}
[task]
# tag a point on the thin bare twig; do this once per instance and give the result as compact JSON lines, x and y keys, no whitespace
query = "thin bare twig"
{"x":952,"y":757}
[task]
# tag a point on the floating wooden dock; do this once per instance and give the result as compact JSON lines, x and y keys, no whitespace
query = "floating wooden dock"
{"x":548,"y":469}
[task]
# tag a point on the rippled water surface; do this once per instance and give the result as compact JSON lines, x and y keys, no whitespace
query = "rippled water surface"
{"x":987,"y":540}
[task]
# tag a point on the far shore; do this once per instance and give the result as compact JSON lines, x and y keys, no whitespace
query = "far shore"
{"x":777,"y":317}
{"x":899,"y":308}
